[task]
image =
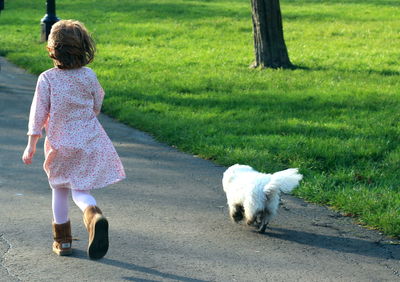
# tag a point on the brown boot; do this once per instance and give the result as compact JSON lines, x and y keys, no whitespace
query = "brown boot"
{"x":97,"y":226}
{"x":62,"y":239}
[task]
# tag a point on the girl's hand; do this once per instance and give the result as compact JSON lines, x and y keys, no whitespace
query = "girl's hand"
{"x":28,"y":154}
{"x":30,"y":149}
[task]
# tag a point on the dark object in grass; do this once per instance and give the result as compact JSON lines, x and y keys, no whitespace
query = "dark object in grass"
{"x":48,"y":20}
{"x":269,"y":45}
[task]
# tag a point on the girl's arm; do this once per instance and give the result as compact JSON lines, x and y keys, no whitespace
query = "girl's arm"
{"x":40,"y":107}
{"x":30,"y":149}
{"x":37,"y":118}
{"x":98,"y":96}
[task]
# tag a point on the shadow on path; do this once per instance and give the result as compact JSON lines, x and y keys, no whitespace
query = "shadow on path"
{"x":134,"y":267}
{"x":335,"y":243}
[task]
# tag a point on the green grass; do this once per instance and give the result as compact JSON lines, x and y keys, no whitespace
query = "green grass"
{"x":178,"y":69}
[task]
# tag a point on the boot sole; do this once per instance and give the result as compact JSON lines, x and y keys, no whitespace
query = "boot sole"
{"x":98,"y":246}
{"x":62,"y":253}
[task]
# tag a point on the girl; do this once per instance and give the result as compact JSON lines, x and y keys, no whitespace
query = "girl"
{"x":79,"y":156}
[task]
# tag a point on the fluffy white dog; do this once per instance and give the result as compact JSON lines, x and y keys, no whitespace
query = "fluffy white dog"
{"x":254,"y":195}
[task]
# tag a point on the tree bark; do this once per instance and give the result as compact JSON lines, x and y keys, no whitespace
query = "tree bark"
{"x":269,"y":45}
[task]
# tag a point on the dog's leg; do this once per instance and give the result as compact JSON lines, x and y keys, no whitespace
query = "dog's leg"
{"x":236,"y":213}
{"x":265,"y":221}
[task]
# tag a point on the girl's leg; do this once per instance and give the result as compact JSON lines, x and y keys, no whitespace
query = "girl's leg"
{"x":83,"y":199}
{"x":61,"y":224}
{"x":96,"y":224}
{"x":60,"y":205}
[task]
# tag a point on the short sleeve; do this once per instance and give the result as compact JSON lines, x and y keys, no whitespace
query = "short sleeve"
{"x":40,"y":107}
{"x":98,"y":95}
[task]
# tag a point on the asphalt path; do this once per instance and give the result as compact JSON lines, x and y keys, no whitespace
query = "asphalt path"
{"x":168,"y":219}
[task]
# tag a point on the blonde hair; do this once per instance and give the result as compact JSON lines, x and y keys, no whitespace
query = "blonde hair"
{"x":70,"y":45}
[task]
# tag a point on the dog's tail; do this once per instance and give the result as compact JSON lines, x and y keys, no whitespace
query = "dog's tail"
{"x":285,"y":181}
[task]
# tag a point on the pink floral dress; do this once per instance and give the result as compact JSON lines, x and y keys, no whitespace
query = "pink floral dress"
{"x":78,"y":153}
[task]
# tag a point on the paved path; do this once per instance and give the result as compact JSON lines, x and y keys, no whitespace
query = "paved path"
{"x":168,"y":220}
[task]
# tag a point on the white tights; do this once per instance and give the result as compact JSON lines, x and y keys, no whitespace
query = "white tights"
{"x":82,"y":199}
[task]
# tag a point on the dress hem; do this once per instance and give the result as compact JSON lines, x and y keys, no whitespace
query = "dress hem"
{"x":92,"y":188}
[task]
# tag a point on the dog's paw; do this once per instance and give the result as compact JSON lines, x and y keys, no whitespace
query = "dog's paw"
{"x":251,"y":221}
{"x":262,"y":228}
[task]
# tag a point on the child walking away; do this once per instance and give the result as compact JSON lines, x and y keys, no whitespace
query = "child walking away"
{"x":79,"y":156}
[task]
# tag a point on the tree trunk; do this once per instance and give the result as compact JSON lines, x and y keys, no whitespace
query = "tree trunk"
{"x":269,"y":46}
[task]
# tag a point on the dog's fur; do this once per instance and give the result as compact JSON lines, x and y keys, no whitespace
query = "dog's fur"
{"x":255,"y":196}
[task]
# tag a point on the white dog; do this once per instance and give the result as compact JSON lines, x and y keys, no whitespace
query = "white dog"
{"x":254,"y":195}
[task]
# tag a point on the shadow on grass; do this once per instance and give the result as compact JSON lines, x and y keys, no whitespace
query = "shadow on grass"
{"x":294,"y":67}
{"x":134,"y":267}
{"x":147,"y":11}
{"x":383,"y":72}
{"x":360,"y":2}
{"x":335,"y":243}
{"x":325,"y":130}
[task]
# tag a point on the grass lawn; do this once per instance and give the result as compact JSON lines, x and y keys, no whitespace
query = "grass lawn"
{"x":179,"y":70}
